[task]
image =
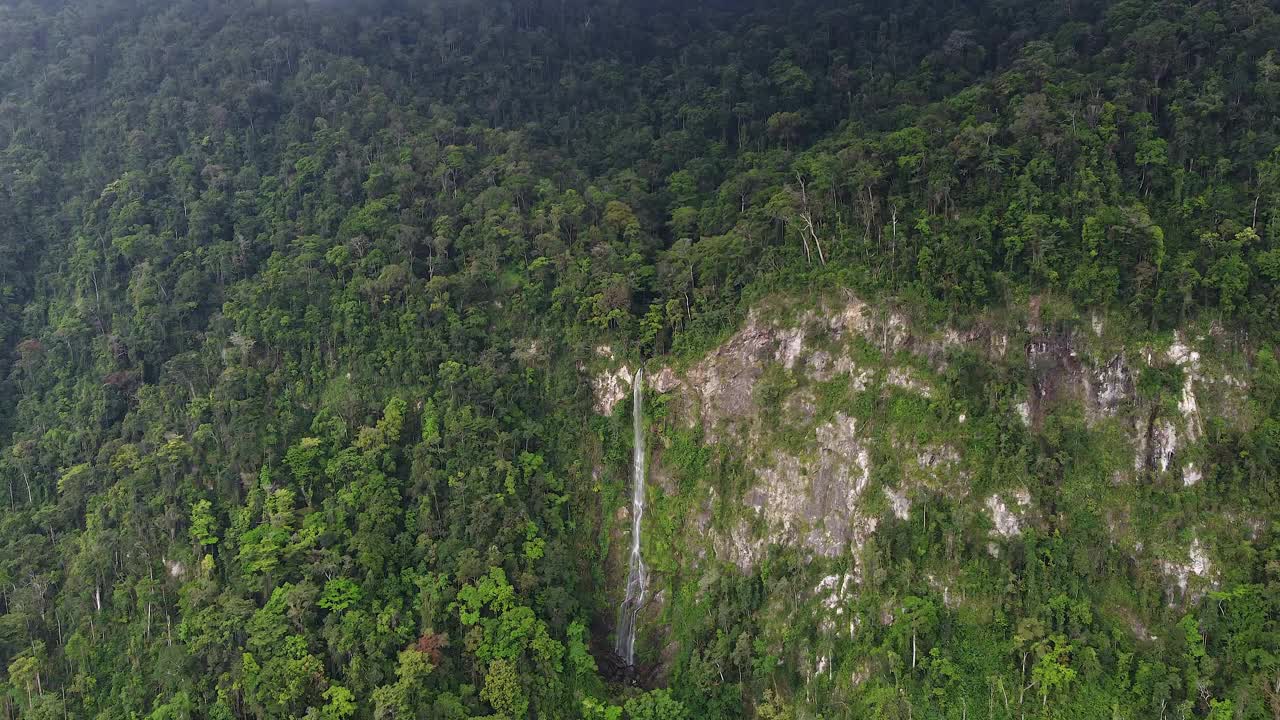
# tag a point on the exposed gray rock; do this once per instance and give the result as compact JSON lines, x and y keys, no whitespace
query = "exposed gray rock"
{"x":1191,"y":475}
{"x":900,"y":503}
{"x":814,"y":501}
{"x":665,"y":380}
{"x":1109,"y":388}
{"x":1007,"y":522}
{"x":1164,"y":443}
{"x":609,"y":388}
{"x":1197,"y":566}
{"x":903,"y":378}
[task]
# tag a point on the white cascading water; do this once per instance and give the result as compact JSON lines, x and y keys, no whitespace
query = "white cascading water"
{"x":637,"y":576}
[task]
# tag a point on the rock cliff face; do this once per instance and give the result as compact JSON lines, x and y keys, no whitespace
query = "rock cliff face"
{"x":846,"y":418}
{"x":815,"y":499}
{"x":811,"y":493}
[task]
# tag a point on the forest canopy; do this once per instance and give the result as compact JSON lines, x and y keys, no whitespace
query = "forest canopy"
{"x":294,"y":298}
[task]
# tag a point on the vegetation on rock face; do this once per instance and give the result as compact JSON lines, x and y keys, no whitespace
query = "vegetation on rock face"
{"x":989,"y":552}
{"x":299,"y":302}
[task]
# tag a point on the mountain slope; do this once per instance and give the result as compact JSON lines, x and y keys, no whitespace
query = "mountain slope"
{"x":834,"y":474}
{"x":301,"y":304}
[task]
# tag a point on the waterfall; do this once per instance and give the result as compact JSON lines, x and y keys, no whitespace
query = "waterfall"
{"x":637,"y":576}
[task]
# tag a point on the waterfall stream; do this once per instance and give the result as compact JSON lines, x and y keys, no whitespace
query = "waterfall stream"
{"x":637,"y":575}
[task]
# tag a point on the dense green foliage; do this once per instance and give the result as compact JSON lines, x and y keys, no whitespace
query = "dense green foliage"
{"x":294,"y":298}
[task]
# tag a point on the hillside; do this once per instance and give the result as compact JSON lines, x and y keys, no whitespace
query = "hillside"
{"x":835,"y":483}
{"x":319,"y":323}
